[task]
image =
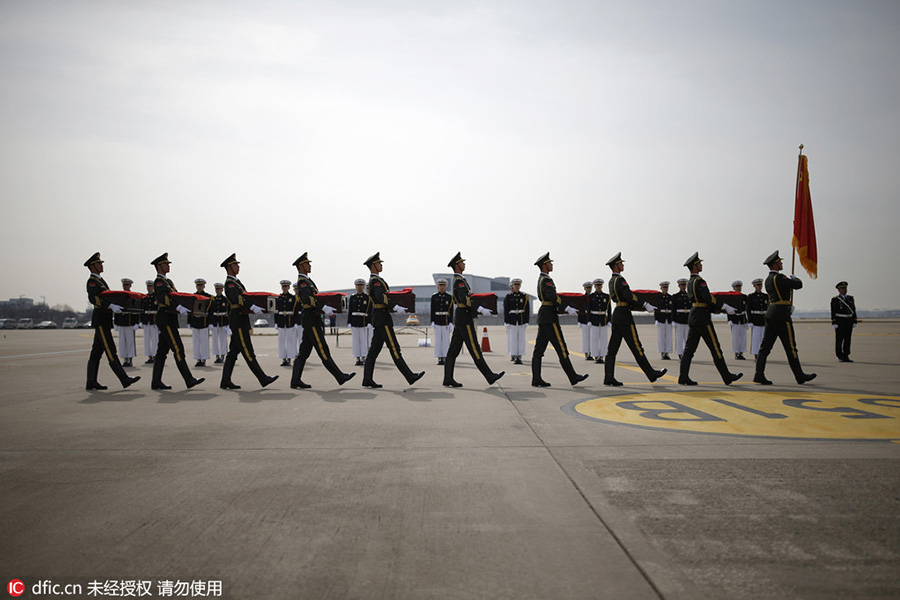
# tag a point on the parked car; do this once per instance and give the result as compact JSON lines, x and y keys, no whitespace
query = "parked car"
{"x":7,"y":323}
{"x":261,"y":323}
{"x":412,"y":320}
{"x":25,"y":324}
{"x":70,"y":323}
{"x":46,"y":325}
{"x":85,"y":325}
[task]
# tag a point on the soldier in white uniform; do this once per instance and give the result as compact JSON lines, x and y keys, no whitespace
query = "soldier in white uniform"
{"x":738,"y":323}
{"x":126,"y":324}
{"x":200,"y":328}
{"x":681,"y":308}
{"x":598,"y":317}
{"x":218,"y":323}
{"x":663,"y":316}
{"x":284,"y":324}
{"x":584,"y":323}
{"x":148,"y":323}
{"x":516,"y":316}
{"x":757,"y":303}
{"x":441,"y":320}
{"x":360,"y":320}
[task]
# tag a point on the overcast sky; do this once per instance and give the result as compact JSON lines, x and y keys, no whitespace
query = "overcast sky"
{"x":419,"y":128}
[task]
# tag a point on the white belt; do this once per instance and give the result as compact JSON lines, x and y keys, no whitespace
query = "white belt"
{"x":596,"y":312}
{"x":359,"y":314}
{"x":846,"y":316}
{"x":687,"y":310}
{"x":515,"y":312}
{"x":442,"y":313}
{"x":757,"y":312}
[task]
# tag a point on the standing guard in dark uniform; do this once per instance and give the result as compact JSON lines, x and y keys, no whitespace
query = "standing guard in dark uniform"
{"x":663,"y":317}
{"x":779,"y":323}
{"x":102,"y":321}
{"x":623,"y":325}
{"x":383,"y":326}
{"x":738,"y":322}
{"x":703,"y":304}
{"x":843,"y":319}
{"x":148,"y":323}
{"x":199,"y":325}
{"x":598,"y":316}
{"x":681,"y":308}
{"x":284,"y":324}
{"x":757,"y":303}
{"x":167,"y":319}
{"x":218,"y":323}
{"x":464,"y":327}
{"x":548,"y":327}
{"x":516,"y":316}
{"x":126,"y":323}
{"x":313,"y":330}
{"x":441,"y":320}
{"x":359,"y":318}
{"x":239,"y":321}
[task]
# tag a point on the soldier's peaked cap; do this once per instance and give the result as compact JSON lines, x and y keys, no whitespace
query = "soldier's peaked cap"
{"x":95,"y":258}
{"x":543,"y":259}
{"x":360,"y":281}
{"x":756,"y":281}
{"x":456,"y":259}
{"x":285,"y":282}
{"x":231,"y":260}
{"x":127,"y":281}
{"x":693,"y":258}
{"x":772,"y":258}
{"x":373,"y":259}
{"x":162,"y":258}
{"x":615,"y":259}
{"x":682,"y":281}
{"x":841,"y":284}
{"x":301,"y":259}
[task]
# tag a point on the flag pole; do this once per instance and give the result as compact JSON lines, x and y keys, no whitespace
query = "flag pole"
{"x":796,"y":191}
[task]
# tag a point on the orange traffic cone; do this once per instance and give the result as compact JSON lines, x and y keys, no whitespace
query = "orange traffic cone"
{"x":485,"y":342}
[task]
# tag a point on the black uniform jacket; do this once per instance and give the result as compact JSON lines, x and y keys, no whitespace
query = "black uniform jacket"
{"x":620,"y":293}
{"x":843,"y":310}
{"x":757,"y":303}
{"x":101,"y":314}
{"x":779,"y":288}
{"x":381,"y":302}
{"x":199,"y":321}
{"x":218,"y":311}
{"x":740,"y":311}
{"x":663,"y":312}
{"x":440,"y":308}
{"x":516,"y":308}
{"x":681,"y":307}
{"x":549,"y":299}
{"x":359,"y":310}
{"x":599,"y":309}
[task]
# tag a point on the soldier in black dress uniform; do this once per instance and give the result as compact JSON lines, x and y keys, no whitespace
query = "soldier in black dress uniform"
{"x":284,"y":323}
{"x":843,"y":319}
{"x":148,"y":322}
{"x":757,"y":303}
{"x":199,"y":325}
{"x":126,"y":323}
{"x":681,"y":308}
{"x":383,"y":326}
{"x":779,"y":323}
{"x":623,"y":325}
{"x":738,"y":322}
{"x":167,"y":319}
{"x":102,"y":322}
{"x":359,"y":318}
{"x":703,"y":304}
{"x":548,"y":327}
{"x":441,"y":320}
{"x":598,"y":317}
{"x":464,"y":327}
{"x":218,"y":322}
{"x":663,"y":315}
{"x":313,"y":330}
{"x":239,"y":321}
{"x":516,"y":316}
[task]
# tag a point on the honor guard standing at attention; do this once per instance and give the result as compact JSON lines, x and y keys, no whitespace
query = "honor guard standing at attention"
{"x":313,"y":330}
{"x":623,"y":325}
{"x":199,"y":325}
{"x":440,"y":320}
{"x":757,"y":303}
{"x":383,"y":326}
{"x":598,"y":315}
{"x":126,"y":323}
{"x":663,"y":317}
{"x":548,"y":327}
{"x":584,"y":322}
{"x":681,"y":308}
{"x":703,"y":304}
{"x":102,"y":322}
{"x":738,"y":322}
{"x":516,"y":316}
{"x":779,"y":323}
{"x":284,"y":324}
{"x":359,"y":317}
{"x":218,"y":322}
{"x":167,"y":319}
{"x":239,"y":321}
{"x":148,"y":322}
{"x":843,"y":319}
{"x":464,"y":327}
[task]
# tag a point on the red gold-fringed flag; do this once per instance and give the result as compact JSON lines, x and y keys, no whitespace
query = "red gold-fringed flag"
{"x":804,"y":241}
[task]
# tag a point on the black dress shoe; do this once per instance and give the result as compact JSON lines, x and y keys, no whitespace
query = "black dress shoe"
{"x":299,"y":385}
{"x":761,"y":380}
{"x":229,"y":386}
{"x":578,"y":379}
{"x":686,"y":381}
{"x":199,"y":363}
{"x":371,"y":384}
{"x":416,"y":377}
{"x":452,"y":383}
{"x":612,"y":382}
{"x":160,"y":386}
{"x":518,"y":361}
{"x":195,"y":382}
{"x":732,"y":377}
{"x":129,"y":381}
{"x":739,"y":356}
{"x":599,"y":361}
{"x":345,"y":377}
{"x":845,"y":360}
{"x":539,"y":383}
{"x":495,"y":377}
{"x":268,"y":380}
{"x":95,"y":386}
{"x":806,"y":377}
{"x":666,"y":357}
{"x":658,"y":374}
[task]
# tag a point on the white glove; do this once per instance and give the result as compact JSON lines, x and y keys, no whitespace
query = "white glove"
{"x":115,"y":327}
{"x":571,"y":310}
{"x":835,"y":325}
{"x":182,"y":309}
{"x":255,"y":309}
{"x":115,"y":308}
{"x":484,"y":310}
{"x":327,"y":310}
{"x":854,"y":326}
{"x":135,"y":327}
{"x":794,"y":277}
{"x":649,"y":307}
{"x":792,"y":309}
{"x":399,"y":310}
{"x":729,"y":309}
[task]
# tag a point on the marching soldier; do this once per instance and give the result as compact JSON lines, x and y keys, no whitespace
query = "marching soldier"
{"x":548,"y":327}
{"x":843,"y":319}
{"x":383,"y":326}
{"x":239,"y":321}
{"x":464,"y":327}
{"x":703,"y":304}
{"x":313,"y":330}
{"x":167,"y":319}
{"x":779,"y":323}
{"x":126,"y":323}
{"x":681,"y":308}
{"x":359,"y":318}
{"x":516,"y":316}
{"x":440,"y":320}
{"x":218,"y":322}
{"x":738,"y":322}
{"x":102,"y":322}
{"x":199,"y":325}
{"x":284,"y":324}
{"x":148,"y":322}
{"x":663,"y":317}
{"x":623,"y":325}
{"x":598,"y":314}
{"x":757,"y":303}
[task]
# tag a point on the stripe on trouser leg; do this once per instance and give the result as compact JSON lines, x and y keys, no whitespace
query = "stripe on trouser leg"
{"x":712,"y":333}
{"x":247,"y":356}
{"x":174,"y":343}
{"x":109,"y":354}
{"x":562,"y":344}
{"x":476,"y":354}
{"x":790,"y":328}
{"x":637,"y":341}
{"x":319,"y":344}
{"x":390,"y":339}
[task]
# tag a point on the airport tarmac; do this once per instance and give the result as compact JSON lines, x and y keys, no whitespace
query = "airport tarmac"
{"x":509,"y":491}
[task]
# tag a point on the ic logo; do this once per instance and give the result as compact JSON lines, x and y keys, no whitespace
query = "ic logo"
{"x":16,"y":588}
